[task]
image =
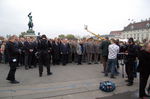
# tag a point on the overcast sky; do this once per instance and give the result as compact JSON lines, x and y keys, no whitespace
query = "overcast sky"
{"x":54,"y":17}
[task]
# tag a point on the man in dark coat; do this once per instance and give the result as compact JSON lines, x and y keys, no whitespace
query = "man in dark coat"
{"x":55,"y":52}
{"x":144,"y":69}
{"x":131,"y":54}
{"x":13,"y":62}
{"x":64,"y":50}
{"x":34,"y":57}
{"x":44,"y":57}
{"x":104,"y":48}
{"x":21,"y":47}
{"x":28,"y":47}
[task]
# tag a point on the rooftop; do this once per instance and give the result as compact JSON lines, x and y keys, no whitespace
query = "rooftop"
{"x":137,"y":26}
{"x":115,"y":32}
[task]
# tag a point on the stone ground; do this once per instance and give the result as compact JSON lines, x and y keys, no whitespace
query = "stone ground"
{"x":67,"y":82}
{"x":126,"y":95}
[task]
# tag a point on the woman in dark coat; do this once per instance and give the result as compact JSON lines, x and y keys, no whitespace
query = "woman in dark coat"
{"x":144,"y":69}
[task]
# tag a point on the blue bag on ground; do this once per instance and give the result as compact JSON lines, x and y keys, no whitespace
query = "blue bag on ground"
{"x":107,"y":86}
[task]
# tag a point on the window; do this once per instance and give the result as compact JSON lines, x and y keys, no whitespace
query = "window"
{"x":147,"y":25}
{"x":134,"y":36}
{"x":132,"y":27}
{"x":123,"y":36}
{"x":147,"y":35}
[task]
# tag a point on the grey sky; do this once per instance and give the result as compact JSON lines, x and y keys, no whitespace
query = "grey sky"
{"x":54,"y":17}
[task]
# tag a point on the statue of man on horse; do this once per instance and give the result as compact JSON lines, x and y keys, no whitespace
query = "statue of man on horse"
{"x":30,"y":24}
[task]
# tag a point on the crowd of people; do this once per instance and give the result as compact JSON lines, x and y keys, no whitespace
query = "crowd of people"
{"x":31,"y":52}
{"x":61,"y":51}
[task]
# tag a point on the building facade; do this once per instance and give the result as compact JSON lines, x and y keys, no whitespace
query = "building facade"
{"x":115,"y":34}
{"x":139,"y":31}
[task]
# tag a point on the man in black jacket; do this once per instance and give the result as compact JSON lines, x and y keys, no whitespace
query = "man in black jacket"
{"x":144,"y":69}
{"x":28,"y":47}
{"x":21,"y":47}
{"x":13,"y":56}
{"x":131,"y":54}
{"x":104,"y":47}
{"x":44,"y":57}
{"x":64,"y":50}
{"x":55,"y":52}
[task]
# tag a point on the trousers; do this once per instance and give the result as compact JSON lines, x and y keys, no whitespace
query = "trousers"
{"x":12,"y":71}
{"x":44,"y":58}
{"x":143,"y":81}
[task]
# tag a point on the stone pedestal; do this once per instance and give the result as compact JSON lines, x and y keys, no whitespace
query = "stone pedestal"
{"x":30,"y":33}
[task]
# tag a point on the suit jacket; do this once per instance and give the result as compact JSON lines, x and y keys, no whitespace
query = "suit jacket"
{"x":64,"y":48}
{"x":132,"y":53}
{"x":89,"y":47}
{"x":55,"y":49}
{"x":104,"y":47}
{"x":72,"y":47}
{"x":79,"y":49}
{"x":96,"y":48}
{"x":28,"y":46}
{"x":12,"y":50}
{"x":21,"y":46}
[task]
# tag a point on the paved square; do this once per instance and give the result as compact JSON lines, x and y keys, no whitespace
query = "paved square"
{"x":67,"y":82}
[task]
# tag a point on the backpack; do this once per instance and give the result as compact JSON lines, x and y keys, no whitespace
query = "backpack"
{"x":107,"y":86}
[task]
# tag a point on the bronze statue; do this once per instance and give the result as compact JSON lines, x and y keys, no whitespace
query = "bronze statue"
{"x":30,"y":24}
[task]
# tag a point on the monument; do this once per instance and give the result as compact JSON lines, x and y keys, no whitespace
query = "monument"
{"x":30,"y":32}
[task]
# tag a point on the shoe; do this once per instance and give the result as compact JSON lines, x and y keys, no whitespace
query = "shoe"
{"x":102,"y":72}
{"x":145,"y":97}
{"x":106,"y":75}
{"x":50,"y":73}
{"x":17,"y":67}
{"x":127,"y":80}
{"x":14,"y":82}
{"x":8,"y":79}
{"x":129,"y":84}
{"x":30,"y":67}
{"x":112,"y":76}
{"x":148,"y":91}
{"x":40,"y":75}
{"x":26,"y":68}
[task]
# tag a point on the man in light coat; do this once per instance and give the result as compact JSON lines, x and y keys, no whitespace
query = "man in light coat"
{"x":79,"y":50}
{"x":89,"y":51}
